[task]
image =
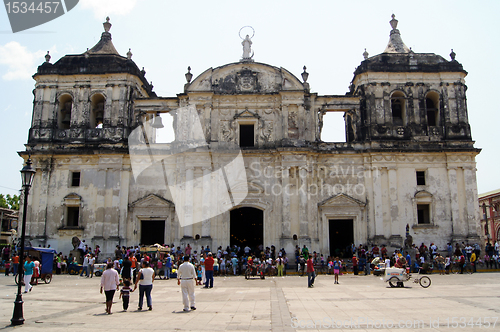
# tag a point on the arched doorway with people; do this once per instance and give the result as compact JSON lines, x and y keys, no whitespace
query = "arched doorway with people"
{"x":247,"y":228}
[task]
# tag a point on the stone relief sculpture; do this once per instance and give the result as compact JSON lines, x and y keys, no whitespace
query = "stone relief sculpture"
{"x":75,"y":241}
{"x":267,"y":132}
{"x":226,"y":132}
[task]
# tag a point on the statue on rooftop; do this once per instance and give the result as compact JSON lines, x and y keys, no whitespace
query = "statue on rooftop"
{"x":247,"y":46}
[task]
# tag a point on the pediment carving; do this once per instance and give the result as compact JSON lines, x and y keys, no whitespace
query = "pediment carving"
{"x":341,"y":200}
{"x":152,"y":200}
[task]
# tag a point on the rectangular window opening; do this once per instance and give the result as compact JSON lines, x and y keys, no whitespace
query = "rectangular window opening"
{"x":75,"y":179}
{"x":423,"y":214}
{"x":431,"y":118}
{"x":73,"y":216}
{"x":420,"y":178}
{"x":247,"y":135}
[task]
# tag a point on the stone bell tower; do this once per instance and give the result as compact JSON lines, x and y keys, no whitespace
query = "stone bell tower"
{"x":407,"y":96}
{"x":82,"y":117}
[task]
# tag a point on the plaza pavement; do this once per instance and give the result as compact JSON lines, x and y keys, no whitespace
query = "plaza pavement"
{"x":358,"y":303}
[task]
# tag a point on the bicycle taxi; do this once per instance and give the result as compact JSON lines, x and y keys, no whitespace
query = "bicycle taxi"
{"x":397,"y":276}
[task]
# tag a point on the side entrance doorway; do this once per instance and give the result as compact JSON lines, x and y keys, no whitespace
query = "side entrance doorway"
{"x":341,"y":236}
{"x":247,"y":228}
{"x":152,"y":231}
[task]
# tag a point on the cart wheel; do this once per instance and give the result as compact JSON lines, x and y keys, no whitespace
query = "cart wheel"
{"x":98,"y":274}
{"x":393,"y":282}
{"x":48,"y":278}
{"x":425,"y":281}
{"x":247,"y":274}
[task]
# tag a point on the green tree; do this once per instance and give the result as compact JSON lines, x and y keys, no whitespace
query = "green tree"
{"x":9,"y":202}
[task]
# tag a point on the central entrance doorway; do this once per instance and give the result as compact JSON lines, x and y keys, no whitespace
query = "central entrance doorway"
{"x":247,"y":228}
{"x":341,"y":237}
{"x":152,"y":231}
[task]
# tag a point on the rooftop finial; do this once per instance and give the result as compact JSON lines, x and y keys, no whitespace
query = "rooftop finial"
{"x":107,"y":25}
{"x":396,"y":44}
{"x":394,"y":22}
{"x":305,"y":74}
{"x":365,"y":54}
{"x":47,"y":57}
{"x":453,"y":55}
{"x":188,"y":75}
{"x":129,"y":54}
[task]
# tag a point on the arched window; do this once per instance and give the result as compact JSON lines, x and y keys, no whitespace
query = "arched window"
{"x":97,"y":110}
{"x":64,"y":113}
{"x":432,"y":108}
{"x":398,"y":108}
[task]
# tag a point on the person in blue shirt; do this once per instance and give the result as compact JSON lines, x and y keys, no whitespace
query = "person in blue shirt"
{"x":28,"y":273}
{"x":168,"y":266}
{"x":408,"y":259}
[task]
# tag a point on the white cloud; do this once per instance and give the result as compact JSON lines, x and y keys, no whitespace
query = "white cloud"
{"x":108,"y":7}
{"x":20,"y":62}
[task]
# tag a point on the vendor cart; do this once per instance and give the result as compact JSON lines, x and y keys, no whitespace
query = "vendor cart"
{"x":46,"y":258}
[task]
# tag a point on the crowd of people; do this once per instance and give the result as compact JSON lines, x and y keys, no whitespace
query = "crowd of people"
{"x":133,"y":266}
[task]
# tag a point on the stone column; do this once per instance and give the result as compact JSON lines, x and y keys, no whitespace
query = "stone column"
{"x":207,"y":181}
{"x":285,"y":182}
{"x":457,"y":227}
{"x":99,"y":207}
{"x":302,"y":191}
{"x":123,"y":193}
{"x":377,"y":202}
{"x":393,"y":197}
{"x":472,"y":201}
{"x":108,"y":107}
{"x":43,"y":200}
{"x":188,"y":207}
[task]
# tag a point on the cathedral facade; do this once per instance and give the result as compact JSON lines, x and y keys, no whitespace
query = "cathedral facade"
{"x":247,"y":165}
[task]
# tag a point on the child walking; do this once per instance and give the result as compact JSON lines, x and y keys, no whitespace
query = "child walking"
{"x":198,"y":279}
{"x":336,"y":269}
{"x":125,"y":293}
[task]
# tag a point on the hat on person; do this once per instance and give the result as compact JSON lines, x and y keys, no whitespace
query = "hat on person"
{"x":209,"y":253}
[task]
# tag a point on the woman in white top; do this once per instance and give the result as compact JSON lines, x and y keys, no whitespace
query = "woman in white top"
{"x":109,"y":282}
{"x":145,"y":279}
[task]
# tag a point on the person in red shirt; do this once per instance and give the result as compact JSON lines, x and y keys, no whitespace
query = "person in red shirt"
{"x":310,"y":272}
{"x":209,"y":271}
{"x":355,"y":265}
{"x":15,"y":263}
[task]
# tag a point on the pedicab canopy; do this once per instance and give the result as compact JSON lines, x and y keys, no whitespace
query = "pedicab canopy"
{"x":46,"y":256}
{"x":155,"y":248}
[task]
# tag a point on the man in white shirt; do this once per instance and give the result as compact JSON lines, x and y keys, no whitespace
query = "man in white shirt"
{"x":91,"y":265}
{"x":85,"y":266}
{"x":186,"y":276}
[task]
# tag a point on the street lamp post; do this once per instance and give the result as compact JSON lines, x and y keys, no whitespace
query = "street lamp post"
{"x":27,"y":175}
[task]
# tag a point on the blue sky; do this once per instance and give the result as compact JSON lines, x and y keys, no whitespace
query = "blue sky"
{"x":328,"y":37}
